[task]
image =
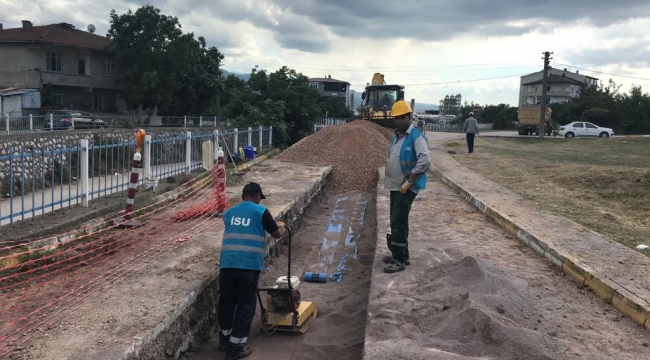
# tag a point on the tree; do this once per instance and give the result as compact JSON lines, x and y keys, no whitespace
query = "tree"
{"x":161,"y":68}
{"x":282,"y":99}
{"x":335,"y":107}
{"x":506,"y":118}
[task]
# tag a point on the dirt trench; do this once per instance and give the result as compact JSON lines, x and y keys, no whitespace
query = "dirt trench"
{"x":338,"y":330}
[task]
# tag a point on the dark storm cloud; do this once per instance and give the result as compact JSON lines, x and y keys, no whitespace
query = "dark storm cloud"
{"x":303,"y":24}
{"x":634,"y":55}
{"x":440,"y":20}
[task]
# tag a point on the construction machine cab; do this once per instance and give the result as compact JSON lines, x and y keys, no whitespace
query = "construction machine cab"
{"x":378,"y":99}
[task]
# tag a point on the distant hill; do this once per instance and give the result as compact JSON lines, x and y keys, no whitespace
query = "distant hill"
{"x":244,"y":77}
{"x":419,"y":107}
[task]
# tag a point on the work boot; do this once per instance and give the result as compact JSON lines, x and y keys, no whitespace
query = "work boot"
{"x":388,"y":258}
{"x":224,"y":340}
{"x":394,"y":266}
{"x":238,"y":351}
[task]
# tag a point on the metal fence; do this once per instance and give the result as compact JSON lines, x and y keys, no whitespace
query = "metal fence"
{"x":18,"y":123}
{"x":53,"y":175}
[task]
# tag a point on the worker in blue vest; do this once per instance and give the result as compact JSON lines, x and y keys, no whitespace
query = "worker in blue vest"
{"x":241,"y":261}
{"x":406,"y":174}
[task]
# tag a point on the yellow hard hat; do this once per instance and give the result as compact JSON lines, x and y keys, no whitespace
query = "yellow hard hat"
{"x":400,"y":108}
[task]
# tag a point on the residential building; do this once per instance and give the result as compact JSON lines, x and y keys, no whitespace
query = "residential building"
{"x":75,"y":63}
{"x":333,"y":88}
{"x":562,"y":86}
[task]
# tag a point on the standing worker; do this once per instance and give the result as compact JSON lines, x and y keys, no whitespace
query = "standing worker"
{"x":240,"y":264}
{"x":471,"y":130}
{"x":406,"y":174}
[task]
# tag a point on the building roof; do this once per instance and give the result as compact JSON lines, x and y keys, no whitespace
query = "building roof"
{"x":556,"y":79}
{"x":13,"y":91}
{"x":327,"y":80}
{"x":55,"y":34}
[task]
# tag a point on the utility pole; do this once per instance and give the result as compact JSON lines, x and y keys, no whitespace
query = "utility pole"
{"x":542,"y":117}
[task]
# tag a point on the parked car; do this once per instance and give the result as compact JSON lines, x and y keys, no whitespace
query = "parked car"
{"x":63,"y":120}
{"x":585,"y":129}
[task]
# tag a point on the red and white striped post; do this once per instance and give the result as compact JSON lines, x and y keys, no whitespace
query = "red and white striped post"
{"x":136,"y":165}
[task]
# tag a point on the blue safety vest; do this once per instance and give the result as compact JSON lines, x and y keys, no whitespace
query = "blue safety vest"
{"x":408,"y":158}
{"x":244,"y":246}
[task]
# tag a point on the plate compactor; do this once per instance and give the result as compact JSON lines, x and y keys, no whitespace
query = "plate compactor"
{"x":284,"y":309}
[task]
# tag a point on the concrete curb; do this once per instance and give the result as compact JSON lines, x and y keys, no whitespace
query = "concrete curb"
{"x":196,"y":316}
{"x":258,"y":160}
{"x":627,"y":303}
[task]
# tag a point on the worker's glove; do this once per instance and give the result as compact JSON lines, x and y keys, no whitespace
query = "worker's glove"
{"x":281,"y":224}
{"x":405,"y":187}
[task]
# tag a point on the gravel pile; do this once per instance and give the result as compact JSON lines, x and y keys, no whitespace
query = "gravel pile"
{"x":354,"y":150}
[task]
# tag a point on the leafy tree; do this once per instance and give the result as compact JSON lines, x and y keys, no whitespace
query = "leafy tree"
{"x":506,"y":118}
{"x":596,"y":115}
{"x":282,"y":99}
{"x":335,"y":107}
{"x":161,"y":68}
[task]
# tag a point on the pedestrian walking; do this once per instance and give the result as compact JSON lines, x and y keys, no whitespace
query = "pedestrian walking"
{"x":406,"y":174}
{"x":471,"y":130}
{"x":240,"y":263}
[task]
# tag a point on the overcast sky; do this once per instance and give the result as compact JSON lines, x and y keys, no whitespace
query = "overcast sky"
{"x":432,"y":47}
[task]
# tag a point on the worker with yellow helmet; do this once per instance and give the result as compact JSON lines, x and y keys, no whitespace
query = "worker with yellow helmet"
{"x":406,"y":174}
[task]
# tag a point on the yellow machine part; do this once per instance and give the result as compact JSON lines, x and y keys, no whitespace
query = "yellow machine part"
{"x":284,"y":321}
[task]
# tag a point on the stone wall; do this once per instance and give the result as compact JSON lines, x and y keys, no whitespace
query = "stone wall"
{"x":52,"y":158}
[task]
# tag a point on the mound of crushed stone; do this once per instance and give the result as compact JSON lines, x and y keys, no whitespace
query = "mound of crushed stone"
{"x":354,"y":150}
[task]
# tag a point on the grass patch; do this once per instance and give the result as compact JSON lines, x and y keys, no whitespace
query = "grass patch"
{"x":602,"y":184}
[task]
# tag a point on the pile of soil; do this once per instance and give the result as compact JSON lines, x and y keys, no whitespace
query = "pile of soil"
{"x":354,"y":150}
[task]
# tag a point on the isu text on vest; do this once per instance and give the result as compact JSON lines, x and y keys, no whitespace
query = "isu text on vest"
{"x":240,"y":221}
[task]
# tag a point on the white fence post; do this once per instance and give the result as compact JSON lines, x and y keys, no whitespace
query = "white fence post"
{"x":215,"y":122}
{"x":215,"y":142}
{"x":72,"y":123}
{"x":31,"y":122}
{"x":270,"y":136}
{"x":250,"y":136}
{"x":7,"y":122}
{"x":201,"y":121}
{"x":261,"y":137}
{"x":185,"y":121}
{"x":84,"y":172}
{"x":188,"y":153}
{"x":51,"y":122}
{"x":236,"y":141}
{"x":147,"y":157}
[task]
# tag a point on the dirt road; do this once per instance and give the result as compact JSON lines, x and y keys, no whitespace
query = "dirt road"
{"x":474,"y":292}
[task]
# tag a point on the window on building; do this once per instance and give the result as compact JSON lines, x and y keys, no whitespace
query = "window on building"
{"x":333,"y":87}
{"x":82,"y":67}
{"x":538,"y":100}
{"x":109,"y":67}
{"x":98,"y":101}
{"x":57,"y":97}
{"x":53,"y":61}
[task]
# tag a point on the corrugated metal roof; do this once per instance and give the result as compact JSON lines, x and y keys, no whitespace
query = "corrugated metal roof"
{"x":14,"y":91}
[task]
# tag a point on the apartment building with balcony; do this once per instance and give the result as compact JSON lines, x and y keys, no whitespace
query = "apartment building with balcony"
{"x":75,"y":63}
{"x":562,"y":86}
{"x":332,"y":88}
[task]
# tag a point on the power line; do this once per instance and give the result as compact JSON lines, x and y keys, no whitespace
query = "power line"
{"x":605,"y":73}
{"x":461,"y":81}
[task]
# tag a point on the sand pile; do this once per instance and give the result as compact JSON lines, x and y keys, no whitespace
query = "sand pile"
{"x":354,"y":150}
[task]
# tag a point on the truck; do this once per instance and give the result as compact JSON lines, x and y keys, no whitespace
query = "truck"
{"x":529,"y":120}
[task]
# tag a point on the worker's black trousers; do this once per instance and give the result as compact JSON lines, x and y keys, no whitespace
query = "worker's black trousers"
{"x":470,"y":142}
{"x":400,"y":207}
{"x":237,"y":301}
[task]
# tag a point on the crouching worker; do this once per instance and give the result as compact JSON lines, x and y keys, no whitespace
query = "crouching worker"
{"x":240,"y":264}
